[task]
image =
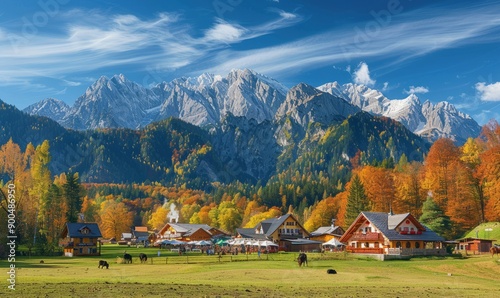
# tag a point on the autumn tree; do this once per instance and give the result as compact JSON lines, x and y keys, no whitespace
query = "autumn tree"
{"x":489,"y":175}
{"x":409,"y":194}
{"x":42,"y":181}
{"x":158,"y":218}
{"x":435,"y":219}
{"x":379,"y":187}
{"x":322,"y":214}
{"x":115,"y":219}
{"x":257,"y":218}
{"x":357,"y":200}
{"x":440,"y":165}
{"x":229,"y":217}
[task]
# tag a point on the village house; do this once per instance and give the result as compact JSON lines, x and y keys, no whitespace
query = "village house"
{"x":325,"y":234}
{"x":189,"y":232}
{"x":284,"y":230}
{"x":391,"y":234}
{"x":81,"y":239}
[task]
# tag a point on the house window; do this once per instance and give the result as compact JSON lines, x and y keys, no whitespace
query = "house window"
{"x":367,"y":244}
{"x":398,"y":244}
{"x":417,"y":244}
{"x":408,"y":244}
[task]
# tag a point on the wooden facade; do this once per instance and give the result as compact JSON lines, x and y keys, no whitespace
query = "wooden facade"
{"x":474,"y":245}
{"x":383,"y":233}
{"x":81,"y":239}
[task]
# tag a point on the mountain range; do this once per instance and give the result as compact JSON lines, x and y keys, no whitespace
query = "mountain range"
{"x":205,"y":101}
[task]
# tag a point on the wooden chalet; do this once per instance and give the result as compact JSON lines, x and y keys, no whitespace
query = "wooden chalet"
{"x":189,"y":232}
{"x":81,"y":239}
{"x":284,"y":230}
{"x":387,"y":233}
{"x":325,"y":234}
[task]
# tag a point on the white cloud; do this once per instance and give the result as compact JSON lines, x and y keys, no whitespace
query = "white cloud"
{"x":490,"y":92}
{"x":362,"y":75}
{"x":348,"y":68}
{"x":224,"y":32}
{"x":417,"y":89}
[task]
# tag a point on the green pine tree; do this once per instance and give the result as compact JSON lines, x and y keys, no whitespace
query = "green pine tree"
{"x":357,"y":201}
{"x":434,"y":218}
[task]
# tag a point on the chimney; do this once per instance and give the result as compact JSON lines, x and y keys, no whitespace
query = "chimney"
{"x":333,"y":222}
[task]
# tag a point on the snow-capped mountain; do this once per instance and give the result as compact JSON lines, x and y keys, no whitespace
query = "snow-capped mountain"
{"x":427,"y":120}
{"x":203,"y":100}
{"x":50,"y":107}
{"x":207,"y":99}
{"x":113,"y":103}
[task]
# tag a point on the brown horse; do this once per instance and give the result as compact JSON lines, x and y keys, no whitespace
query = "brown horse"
{"x":494,"y":250}
{"x":302,"y":259}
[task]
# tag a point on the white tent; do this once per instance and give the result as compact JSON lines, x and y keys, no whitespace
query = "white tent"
{"x":268,"y":243}
{"x":333,"y":242}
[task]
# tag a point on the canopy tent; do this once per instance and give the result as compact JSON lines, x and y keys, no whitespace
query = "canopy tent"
{"x":333,"y":242}
{"x":221,"y":242}
{"x":266,"y":243}
{"x":172,"y":242}
{"x":203,"y":243}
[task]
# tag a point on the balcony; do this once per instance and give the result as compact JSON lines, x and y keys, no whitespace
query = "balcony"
{"x":370,"y":236}
{"x":365,"y":250}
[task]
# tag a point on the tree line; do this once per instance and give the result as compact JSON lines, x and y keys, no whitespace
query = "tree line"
{"x":454,"y":186}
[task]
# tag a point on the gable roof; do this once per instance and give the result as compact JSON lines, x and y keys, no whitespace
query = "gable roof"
{"x":328,"y":230}
{"x":74,"y":230}
{"x":387,"y":224}
{"x":269,"y":226}
{"x":185,"y":228}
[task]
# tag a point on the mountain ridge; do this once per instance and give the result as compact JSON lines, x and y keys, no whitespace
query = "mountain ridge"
{"x":206,"y":100}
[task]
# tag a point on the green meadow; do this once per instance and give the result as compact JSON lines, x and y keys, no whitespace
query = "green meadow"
{"x":274,"y":275}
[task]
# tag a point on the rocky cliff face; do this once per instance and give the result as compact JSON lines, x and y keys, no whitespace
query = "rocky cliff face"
{"x":247,"y":148}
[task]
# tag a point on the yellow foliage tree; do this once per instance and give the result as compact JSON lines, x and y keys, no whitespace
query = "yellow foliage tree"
{"x":115,"y":219}
{"x":257,"y":218}
{"x":158,"y":218}
{"x":322,"y":215}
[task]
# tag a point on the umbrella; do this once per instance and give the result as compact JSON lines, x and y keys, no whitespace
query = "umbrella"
{"x":176,"y":242}
{"x":203,"y":242}
{"x":268,"y":243}
{"x":221,"y":242}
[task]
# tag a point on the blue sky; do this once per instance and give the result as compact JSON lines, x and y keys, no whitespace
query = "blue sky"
{"x":439,"y":50}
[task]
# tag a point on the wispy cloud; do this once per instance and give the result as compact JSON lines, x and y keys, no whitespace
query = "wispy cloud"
{"x":92,"y":41}
{"x":490,"y":92}
{"x":417,"y":89}
{"x":408,"y":36}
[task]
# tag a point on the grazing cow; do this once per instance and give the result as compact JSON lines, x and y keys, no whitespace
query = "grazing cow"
{"x":302,"y":259}
{"x":103,"y":264}
{"x":42,"y":262}
{"x":494,"y":250}
{"x":331,"y":271}
{"x":127,"y":258}
{"x":143,"y":258}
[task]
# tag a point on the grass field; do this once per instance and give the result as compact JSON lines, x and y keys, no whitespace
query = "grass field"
{"x":278,"y":276}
